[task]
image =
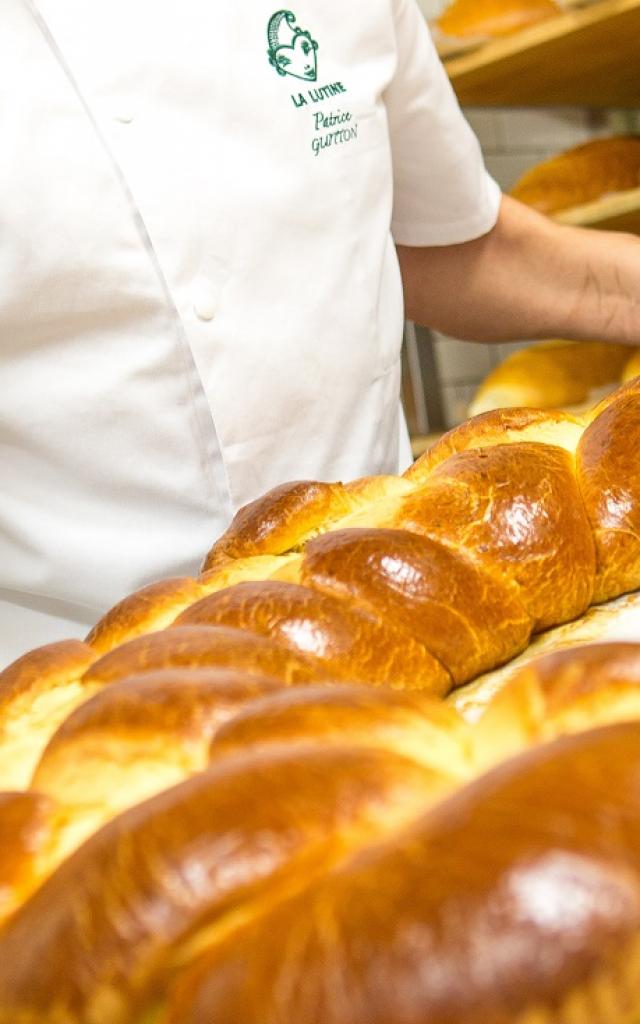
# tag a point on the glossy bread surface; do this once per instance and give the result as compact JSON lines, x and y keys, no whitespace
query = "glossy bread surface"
{"x":244,"y":798}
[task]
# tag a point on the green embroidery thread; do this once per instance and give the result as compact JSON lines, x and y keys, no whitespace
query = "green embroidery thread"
{"x":292,"y":51}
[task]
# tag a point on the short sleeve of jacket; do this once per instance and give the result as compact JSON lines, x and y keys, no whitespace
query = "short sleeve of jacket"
{"x":442,"y":191}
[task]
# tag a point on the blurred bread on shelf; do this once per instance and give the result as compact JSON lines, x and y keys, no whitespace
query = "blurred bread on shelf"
{"x":560,"y":374}
{"x":632,"y":368}
{"x":482,"y":20}
{"x":583,"y":174}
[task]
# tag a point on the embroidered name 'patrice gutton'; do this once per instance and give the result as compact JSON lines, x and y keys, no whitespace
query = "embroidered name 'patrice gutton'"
{"x":293,"y":52}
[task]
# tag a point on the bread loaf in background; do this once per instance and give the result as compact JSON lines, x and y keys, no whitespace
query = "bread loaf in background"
{"x":631,"y":368}
{"x":491,"y":19}
{"x":585,"y":173}
{"x":243,"y":799}
{"x":557,"y":374}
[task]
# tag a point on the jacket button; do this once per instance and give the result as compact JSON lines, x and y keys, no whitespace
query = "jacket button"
{"x":204,"y":301}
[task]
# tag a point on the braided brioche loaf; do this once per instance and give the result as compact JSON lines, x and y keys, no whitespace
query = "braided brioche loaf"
{"x":243,"y":799}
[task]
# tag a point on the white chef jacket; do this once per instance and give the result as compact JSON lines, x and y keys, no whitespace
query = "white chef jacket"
{"x":199,"y":291}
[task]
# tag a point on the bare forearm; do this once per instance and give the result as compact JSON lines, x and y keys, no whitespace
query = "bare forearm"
{"x":528,"y":278}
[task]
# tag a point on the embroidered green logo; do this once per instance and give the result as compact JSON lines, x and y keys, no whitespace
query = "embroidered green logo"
{"x":291,"y":50}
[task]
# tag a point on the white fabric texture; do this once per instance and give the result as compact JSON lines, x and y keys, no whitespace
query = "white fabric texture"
{"x":199,"y":291}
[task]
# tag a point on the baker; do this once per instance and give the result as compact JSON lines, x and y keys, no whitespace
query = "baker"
{"x":197,"y":303}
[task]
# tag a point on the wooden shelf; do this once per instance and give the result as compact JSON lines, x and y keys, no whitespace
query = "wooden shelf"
{"x":586,"y":57}
{"x":619,"y":212}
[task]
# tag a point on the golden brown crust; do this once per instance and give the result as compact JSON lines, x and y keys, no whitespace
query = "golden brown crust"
{"x":203,"y":647}
{"x":27,"y":822}
{"x":516,"y":509}
{"x":411,"y":723}
{"x":466,"y":618}
{"x":42,"y":670}
{"x":347,"y":640}
{"x":371,"y":489}
{"x":243,"y":570}
{"x":36,"y":693}
{"x":568,"y":676}
{"x":141,"y":735}
{"x":306,"y":859}
{"x":97,"y":938}
{"x":628,"y":390}
{"x":148,"y":610}
{"x":582,"y":174}
{"x":608,"y":470}
{"x":462,"y":918}
{"x":564,"y":692}
{"x":500,"y":426}
{"x":182,"y":703}
{"x":281,"y":520}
